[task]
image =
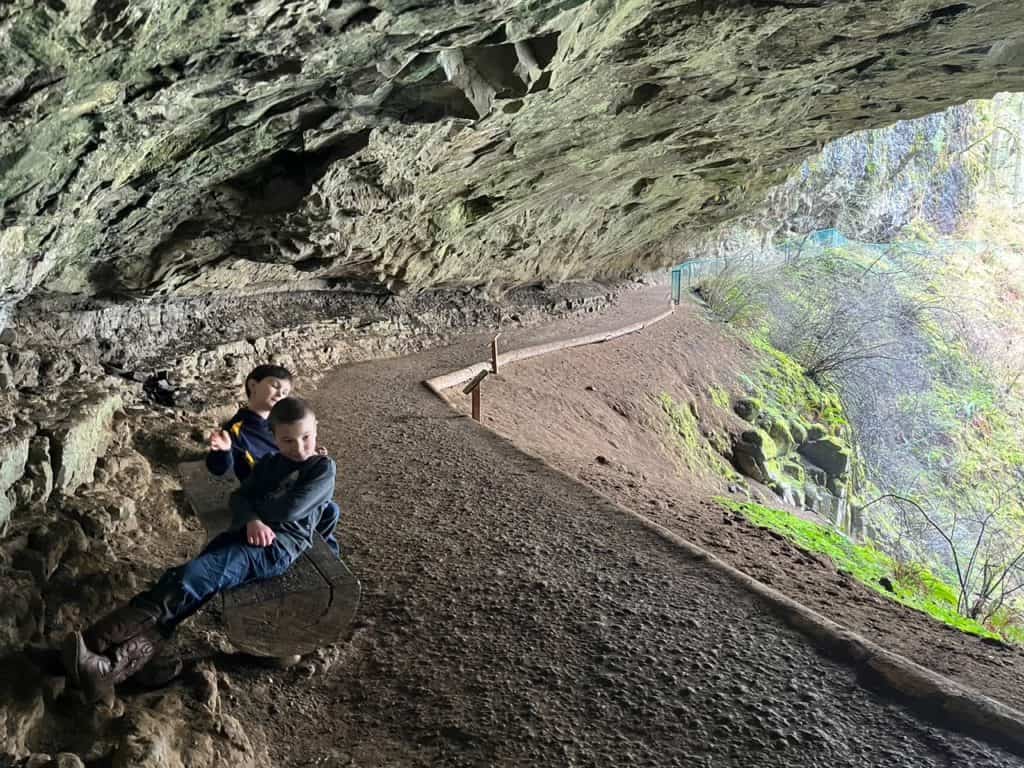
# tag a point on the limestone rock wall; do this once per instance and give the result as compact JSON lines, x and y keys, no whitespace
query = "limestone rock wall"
{"x":128,"y":336}
{"x":73,"y":375}
{"x":152,"y":148}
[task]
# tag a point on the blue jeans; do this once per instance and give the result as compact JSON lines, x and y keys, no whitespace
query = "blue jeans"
{"x":227,"y":561}
{"x":328,"y":522}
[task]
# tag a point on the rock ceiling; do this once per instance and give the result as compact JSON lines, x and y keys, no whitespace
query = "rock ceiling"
{"x":180,"y":147}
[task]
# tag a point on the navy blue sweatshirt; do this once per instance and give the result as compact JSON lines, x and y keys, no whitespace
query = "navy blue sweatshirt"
{"x":289,"y":496}
{"x":251,"y":440}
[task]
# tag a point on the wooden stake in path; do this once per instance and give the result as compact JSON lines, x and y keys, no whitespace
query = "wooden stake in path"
{"x":494,"y":353}
{"x":473,"y":388}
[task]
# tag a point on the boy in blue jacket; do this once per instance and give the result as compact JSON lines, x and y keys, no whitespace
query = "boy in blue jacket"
{"x":246,"y":437}
{"x":275,"y":514}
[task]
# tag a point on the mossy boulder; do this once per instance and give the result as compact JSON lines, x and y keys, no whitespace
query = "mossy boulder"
{"x":748,"y":465}
{"x":817,"y":432}
{"x":829,"y":453}
{"x":762,"y":442}
{"x":748,"y":408}
{"x":795,"y":470}
{"x":719,"y":442}
{"x":753,"y":452}
{"x":780,"y":434}
{"x":798,"y":431}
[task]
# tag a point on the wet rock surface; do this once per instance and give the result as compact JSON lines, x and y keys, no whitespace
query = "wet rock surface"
{"x":215,"y":146}
{"x":164,"y":342}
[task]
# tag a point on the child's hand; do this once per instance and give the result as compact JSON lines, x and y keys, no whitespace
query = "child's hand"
{"x":321,"y":451}
{"x":258,"y":534}
{"x":220,"y":440}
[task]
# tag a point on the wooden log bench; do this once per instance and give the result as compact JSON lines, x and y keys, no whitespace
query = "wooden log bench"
{"x":306,"y":608}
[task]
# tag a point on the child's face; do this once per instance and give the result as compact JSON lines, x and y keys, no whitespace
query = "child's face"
{"x":265,"y":392}
{"x":297,"y":441}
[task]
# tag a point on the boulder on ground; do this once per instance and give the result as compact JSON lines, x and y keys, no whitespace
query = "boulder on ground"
{"x":102,"y":512}
{"x":22,"y":714}
{"x":780,"y":434}
{"x":174,"y":732}
{"x":47,"y":546}
{"x":761,"y":444}
{"x":829,"y":453}
{"x":748,"y":408}
{"x":22,"y":608}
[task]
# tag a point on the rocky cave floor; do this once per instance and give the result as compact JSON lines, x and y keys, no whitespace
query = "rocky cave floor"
{"x":510,"y":616}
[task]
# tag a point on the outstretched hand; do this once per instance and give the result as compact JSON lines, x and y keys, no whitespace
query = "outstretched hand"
{"x":259,"y":534}
{"x":220,"y":440}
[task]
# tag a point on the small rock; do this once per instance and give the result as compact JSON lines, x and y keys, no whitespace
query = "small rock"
{"x":206,"y":690}
{"x":601,"y":459}
{"x":68,"y":760}
{"x":38,"y":761}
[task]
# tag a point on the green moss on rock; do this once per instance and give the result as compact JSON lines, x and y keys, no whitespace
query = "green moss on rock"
{"x":761,"y":441}
{"x":817,"y":432}
{"x":695,"y":452}
{"x":829,"y":453}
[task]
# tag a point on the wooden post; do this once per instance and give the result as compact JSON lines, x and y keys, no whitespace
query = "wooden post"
{"x":494,"y":353}
{"x":473,"y":388}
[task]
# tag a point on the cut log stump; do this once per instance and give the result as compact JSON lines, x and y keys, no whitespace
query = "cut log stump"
{"x":308,"y":607}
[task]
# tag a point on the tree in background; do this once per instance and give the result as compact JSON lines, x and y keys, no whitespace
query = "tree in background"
{"x":923,"y":336}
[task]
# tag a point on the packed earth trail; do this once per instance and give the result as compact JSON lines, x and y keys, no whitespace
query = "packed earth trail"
{"x":513,"y":617}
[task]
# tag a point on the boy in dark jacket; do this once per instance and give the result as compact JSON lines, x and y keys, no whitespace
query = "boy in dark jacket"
{"x":246,"y":437}
{"x":274,"y":518}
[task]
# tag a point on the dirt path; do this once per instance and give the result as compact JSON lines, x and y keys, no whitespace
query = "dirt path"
{"x":544,"y":405}
{"x":514,"y":618}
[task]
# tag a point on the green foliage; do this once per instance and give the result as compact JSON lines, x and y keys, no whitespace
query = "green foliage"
{"x":690,"y":446}
{"x":916,"y":587}
{"x":782,"y":382}
{"x":720,"y":397}
{"x":972,"y":439}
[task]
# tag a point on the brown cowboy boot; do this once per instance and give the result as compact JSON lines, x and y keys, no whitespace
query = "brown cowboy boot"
{"x":97,"y":673}
{"x":119,"y":625}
